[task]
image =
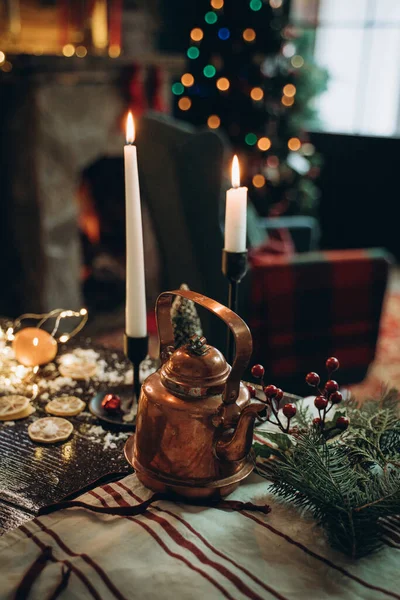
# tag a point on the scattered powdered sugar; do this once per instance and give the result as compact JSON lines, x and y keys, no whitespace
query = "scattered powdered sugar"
{"x":97,"y":434}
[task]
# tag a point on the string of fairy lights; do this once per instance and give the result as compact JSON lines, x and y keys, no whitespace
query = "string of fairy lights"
{"x":18,"y":378}
{"x":183,"y":89}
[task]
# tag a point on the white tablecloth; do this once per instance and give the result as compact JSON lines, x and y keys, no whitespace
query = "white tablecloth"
{"x":178,"y":551}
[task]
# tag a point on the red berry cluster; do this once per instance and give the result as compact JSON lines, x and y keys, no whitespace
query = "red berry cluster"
{"x":273,"y":395}
{"x":327,"y":396}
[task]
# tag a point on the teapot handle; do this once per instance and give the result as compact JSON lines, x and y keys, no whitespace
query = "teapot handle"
{"x":240,"y":331}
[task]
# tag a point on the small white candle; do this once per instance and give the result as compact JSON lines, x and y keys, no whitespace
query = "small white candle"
{"x":235,"y":213}
{"x":135,"y":324}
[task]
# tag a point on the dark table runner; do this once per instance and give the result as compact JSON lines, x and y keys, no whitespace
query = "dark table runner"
{"x":34,"y":475}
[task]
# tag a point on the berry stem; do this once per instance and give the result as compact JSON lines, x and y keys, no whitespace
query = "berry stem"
{"x":276,"y":416}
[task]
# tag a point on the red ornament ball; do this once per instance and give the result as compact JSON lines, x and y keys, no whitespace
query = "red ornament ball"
{"x":111,"y":403}
{"x":289,"y":410}
{"x":336,"y":397}
{"x":258,"y":371}
{"x":342,"y":423}
{"x":331,"y":386}
{"x":252,"y":391}
{"x":270,"y":391}
{"x":317,"y":421}
{"x":279,"y":394}
{"x":313,"y":379}
{"x":320,"y":402}
{"x":332,"y":364}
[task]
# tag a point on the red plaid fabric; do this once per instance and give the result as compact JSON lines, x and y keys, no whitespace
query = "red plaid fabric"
{"x":307,"y":307}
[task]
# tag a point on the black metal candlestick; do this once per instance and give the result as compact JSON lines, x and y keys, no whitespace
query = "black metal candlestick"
{"x":234,"y":267}
{"x":136,"y":350}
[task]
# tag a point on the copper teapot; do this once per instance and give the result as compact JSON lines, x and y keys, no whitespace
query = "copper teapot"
{"x":195,"y":419}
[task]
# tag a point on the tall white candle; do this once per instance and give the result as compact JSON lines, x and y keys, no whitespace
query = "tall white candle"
{"x":236,"y":212}
{"x":135,"y":324}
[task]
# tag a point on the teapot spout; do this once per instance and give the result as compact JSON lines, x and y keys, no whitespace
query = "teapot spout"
{"x":239,"y":444}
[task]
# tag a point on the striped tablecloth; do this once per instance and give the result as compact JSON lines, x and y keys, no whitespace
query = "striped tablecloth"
{"x":177,"y":551}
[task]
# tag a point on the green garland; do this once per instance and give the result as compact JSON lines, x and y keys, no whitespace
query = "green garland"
{"x":348,"y":480}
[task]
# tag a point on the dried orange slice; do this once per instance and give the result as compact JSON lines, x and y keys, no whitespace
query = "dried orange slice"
{"x":12,"y":406}
{"x":65,"y":406}
{"x":50,"y":430}
{"x":78,"y":369}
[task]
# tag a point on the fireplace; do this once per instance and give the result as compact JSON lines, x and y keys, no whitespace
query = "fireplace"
{"x":62,"y":126}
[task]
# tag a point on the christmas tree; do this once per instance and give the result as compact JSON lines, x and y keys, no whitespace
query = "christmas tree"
{"x":185,"y":319}
{"x":251,"y":73}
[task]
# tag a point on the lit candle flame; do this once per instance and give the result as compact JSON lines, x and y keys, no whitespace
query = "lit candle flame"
{"x":130,"y":129}
{"x":235,"y":172}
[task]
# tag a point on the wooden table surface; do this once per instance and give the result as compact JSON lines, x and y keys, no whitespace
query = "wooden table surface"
{"x":34,"y":475}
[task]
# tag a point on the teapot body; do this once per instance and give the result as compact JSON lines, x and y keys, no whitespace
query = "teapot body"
{"x":195,"y":418}
{"x":176,"y":438}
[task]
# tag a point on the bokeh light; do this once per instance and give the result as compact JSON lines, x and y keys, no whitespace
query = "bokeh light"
{"x":114,"y":51}
{"x":2,"y":57}
{"x":211,"y":17}
{"x":308,"y":149}
{"x":289,"y":50}
{"x":249,"y":35}
{"x":68,"y":50}
{"x":197,"y":34}
{"x":177,"y":88}
{"x":297,"y":61}
{"x":209,"y":71}
{"x":224,"y":33}
{"x":250,"y":139}
{"x":217,"y":4}
{"x":294,"y":144}
{"x":275,"y":3}
{"x":264,"y":143}
{"x":193,"y":52}
{"x":255,"y":5}
{"x":273,"y":162}
{"x":258,"y":180}
{"x":286,"y":101}
{"x":184,"y":103}
{"x":6,"y":67}
{"x":223,"y":84}
{"x":257,"y":93}
{"x":187,"y":79}
{"x":213,"y":121}
{"x":289,"y":90}
{"x":81,"y":51}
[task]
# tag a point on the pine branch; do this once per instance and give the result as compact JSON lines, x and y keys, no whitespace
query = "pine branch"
{"x":348,"y":483}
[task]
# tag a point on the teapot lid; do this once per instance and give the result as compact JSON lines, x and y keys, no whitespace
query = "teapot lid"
{"x":195,"y":370}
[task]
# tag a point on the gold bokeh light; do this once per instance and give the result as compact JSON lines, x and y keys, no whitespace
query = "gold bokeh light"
{"x":258,"y":180}
{"x":294,"y":144}
{"x":213,"y":121}
{"x":187,"y":80}
{"x":257,"y":94}
{"x":184,"y":103}
{"x":286,"y":101}
{"x":264,"y":143}
{"x":297,"y":61}
{"x":114,"y":51}
{"x":223,"y":84}
{"x":68,"y":50}
{"x":197,"y":34}
{"x":289,"y":90}
{"x":249,"y":35}
{"x":217,"y":4}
